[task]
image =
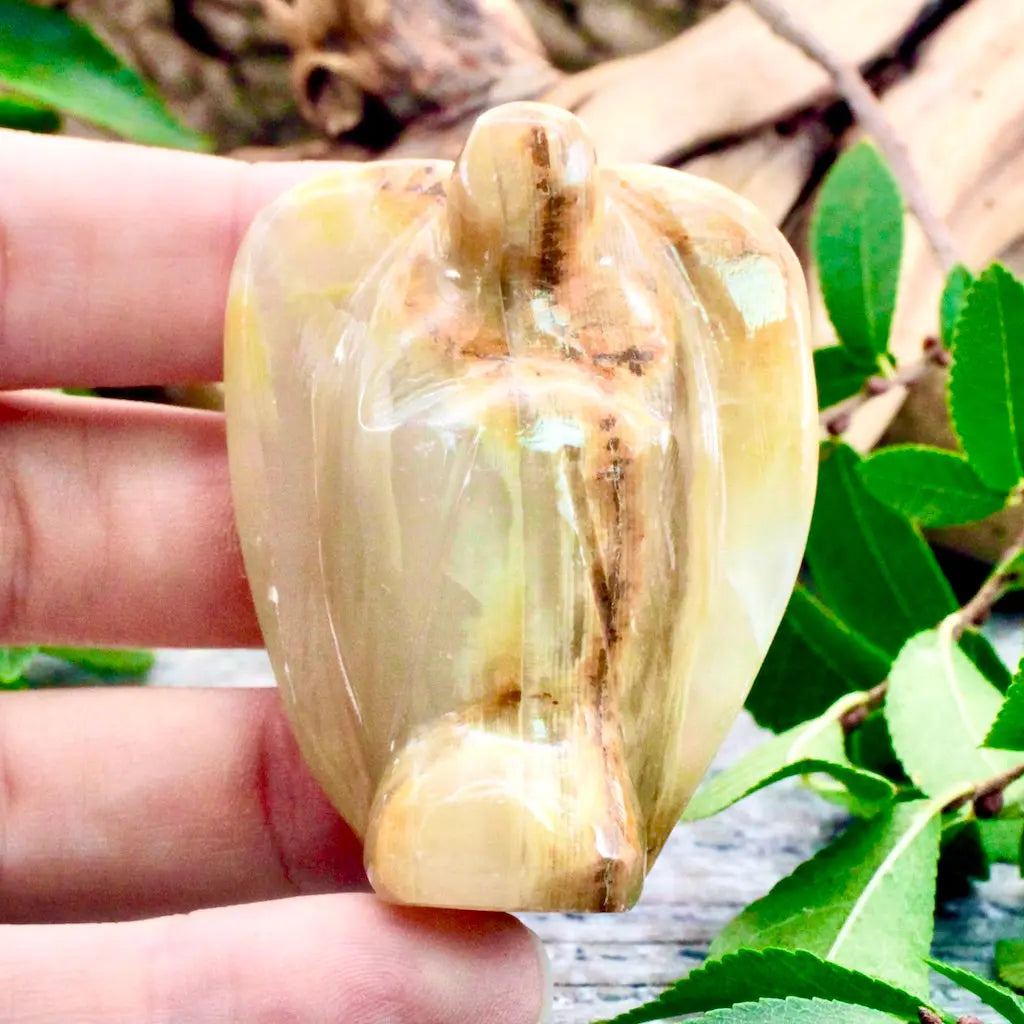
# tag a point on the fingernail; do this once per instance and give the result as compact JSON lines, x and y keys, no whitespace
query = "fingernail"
{"x":486,"y":967}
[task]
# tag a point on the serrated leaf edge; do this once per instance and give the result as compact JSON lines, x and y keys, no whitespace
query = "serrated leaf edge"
{"x":993,"y":271}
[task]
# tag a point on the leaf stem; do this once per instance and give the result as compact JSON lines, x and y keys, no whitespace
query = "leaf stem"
{"x":862,"y":101}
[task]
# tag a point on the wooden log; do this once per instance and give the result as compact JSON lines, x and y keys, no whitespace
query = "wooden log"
{"x":725,"y":78}
{"x":437,"y":60}
{"x":218,"y":63}
{"x":581,"y":33}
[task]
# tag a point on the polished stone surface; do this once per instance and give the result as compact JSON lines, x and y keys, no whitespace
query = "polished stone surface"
{"x":523,"y":452}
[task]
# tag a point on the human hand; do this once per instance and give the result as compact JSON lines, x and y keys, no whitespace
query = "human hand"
{"x":144,"y":806}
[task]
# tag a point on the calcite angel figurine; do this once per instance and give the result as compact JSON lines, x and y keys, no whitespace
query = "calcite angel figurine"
{"x":523,"y":452}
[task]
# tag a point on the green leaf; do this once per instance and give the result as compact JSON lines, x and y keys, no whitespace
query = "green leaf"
{"x":939,"y":709}
{"x":1010,"y":962}
{"x":1001,"y":839}
{"x":870,"y":747}
{"x":838,"y":376}
{"x":13,"y":661}
{"x":870,"y":565}
{"x":1007,"y":732}
{"x":799,"y":1011}
{"x":814,"y":659}
{"x":929,"y":485}
{"x":986,"y":380}
{"x":26,"y":116}
{"x":47,"y":56}
{"x":952,"y":302}
{"x":119,"y":662}
{"x":749,"y":975}
{"x":864,"y":901}
{"x":857,"y":237}
{"x":812,"y":747}
{"x":1002,"y":1000}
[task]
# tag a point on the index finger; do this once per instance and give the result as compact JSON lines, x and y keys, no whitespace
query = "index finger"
{"x":114,"y":259}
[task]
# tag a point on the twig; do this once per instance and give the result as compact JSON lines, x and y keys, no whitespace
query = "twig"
{"x":862,"y":101}
{"x":871,"y":700}
{"x":977,"y":609}
{"x":996,"y":585}
{"x":836,"y":419}
{"x":983,"y":793}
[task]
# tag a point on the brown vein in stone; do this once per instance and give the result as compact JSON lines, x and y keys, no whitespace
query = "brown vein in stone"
{"x":632,"y":356}
{"x":551,"y":253}
{"x":607,"y":587}
{"x":604,"y":598}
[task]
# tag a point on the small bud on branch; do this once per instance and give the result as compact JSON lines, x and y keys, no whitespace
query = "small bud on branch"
{"x":872,"y":700}
{"x":988,"y":805}
{"x":986,"y":792}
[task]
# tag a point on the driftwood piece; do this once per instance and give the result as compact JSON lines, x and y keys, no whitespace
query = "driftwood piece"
{"x":218,"y":63}
{"x":769,"y":169}
{"x":405,"y":60}
{"x":724,"y":77}
{"x":579,"y":33}
{"x":408,"y":76}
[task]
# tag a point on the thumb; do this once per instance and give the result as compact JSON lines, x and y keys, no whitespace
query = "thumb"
{"x":308,"y":960}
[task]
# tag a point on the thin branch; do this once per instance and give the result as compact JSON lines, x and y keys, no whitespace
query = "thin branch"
{"x":999,"y":582}
{"x":871,"y":700}
{"x":983,"y":793}
{"x":862,"y":101}
{"x":836,"y":419}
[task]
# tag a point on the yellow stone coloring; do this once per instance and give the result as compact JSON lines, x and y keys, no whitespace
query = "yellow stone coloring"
{"x":523,"y":455}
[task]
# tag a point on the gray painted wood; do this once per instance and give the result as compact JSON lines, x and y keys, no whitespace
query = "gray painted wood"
{"x":709,"y":871}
